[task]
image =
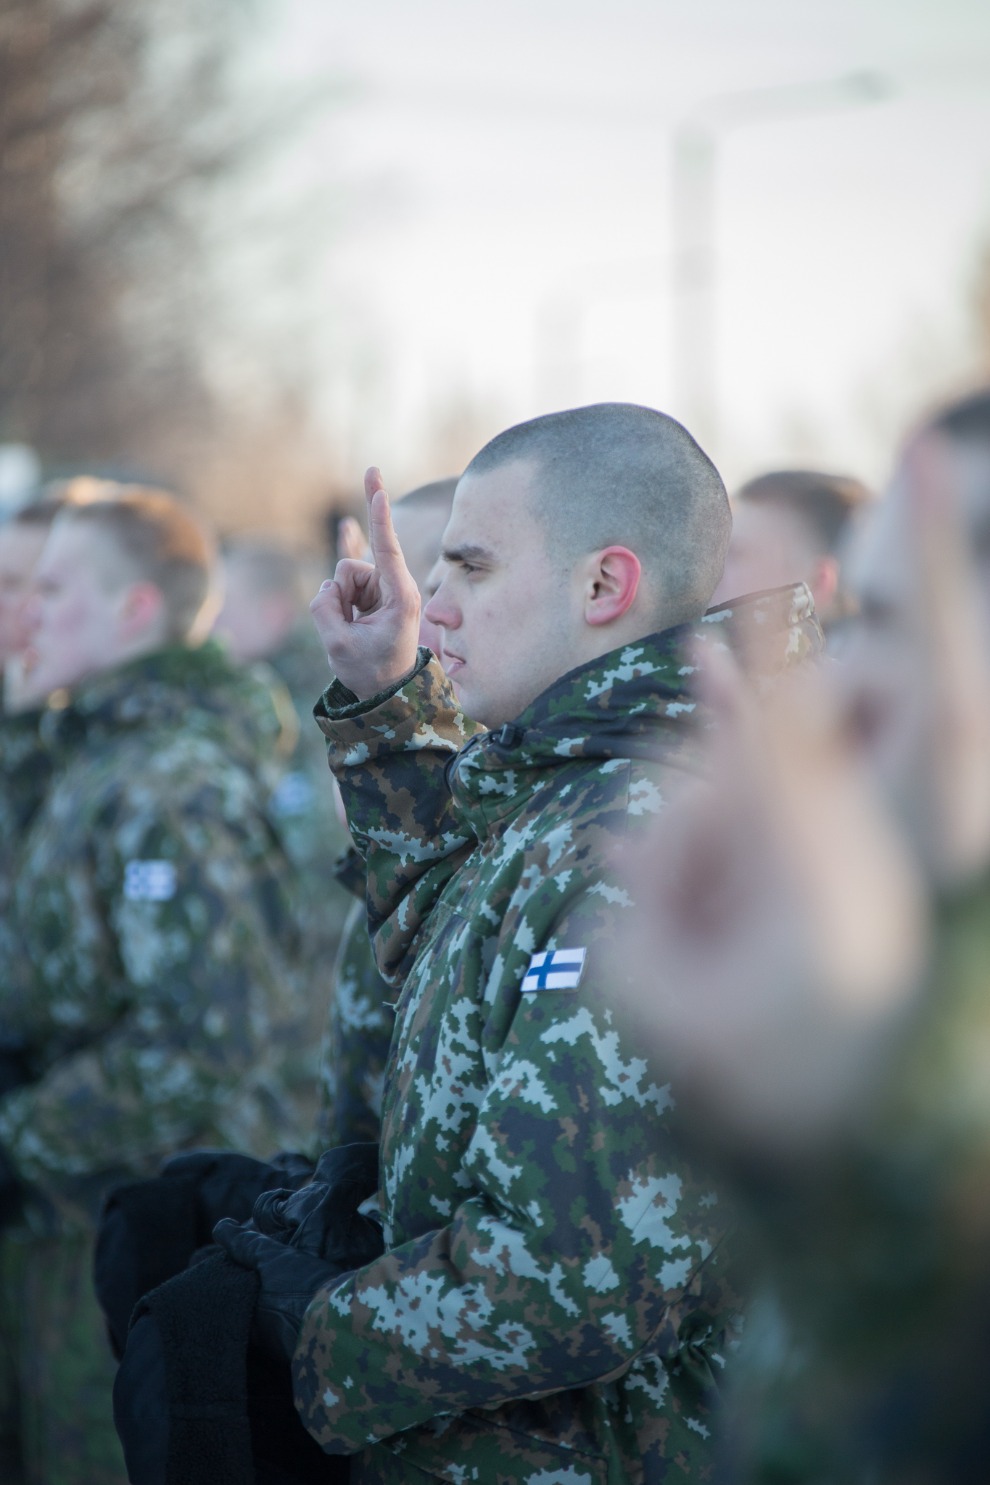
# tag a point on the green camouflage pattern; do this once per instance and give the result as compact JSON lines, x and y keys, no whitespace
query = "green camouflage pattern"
{"x":156,"y":987}
{"x":361,"y":1017}
{"x":359,"y":1029}
{"x":768,"y":632}
{"x":556,"y":1298}
{"x":25,"y":771}
{"x":302,"y":799}
{"x":303,"y":805}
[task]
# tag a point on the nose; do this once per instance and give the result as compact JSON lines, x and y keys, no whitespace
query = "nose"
{"x":440,"y":610}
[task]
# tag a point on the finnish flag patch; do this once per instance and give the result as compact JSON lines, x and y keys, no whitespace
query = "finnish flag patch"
{"x":554,"y":969}
{"x":149,"y":881}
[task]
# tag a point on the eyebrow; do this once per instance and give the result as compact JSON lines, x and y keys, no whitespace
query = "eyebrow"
{"x":467,"y":553}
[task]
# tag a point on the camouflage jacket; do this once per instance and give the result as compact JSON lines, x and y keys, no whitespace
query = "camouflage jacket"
{"x":554,"y":1299}
{"x":302,"y":800}
{"x":358,"y":1034}
{"x":25,"y":770}
{"x":155,"y":988}
{"x":304,"y":806}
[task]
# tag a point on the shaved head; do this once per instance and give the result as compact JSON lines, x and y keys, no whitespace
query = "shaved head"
{"x":615,"y":474}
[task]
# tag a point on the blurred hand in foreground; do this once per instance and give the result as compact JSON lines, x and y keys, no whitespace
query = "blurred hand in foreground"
{"x":781,"y":932}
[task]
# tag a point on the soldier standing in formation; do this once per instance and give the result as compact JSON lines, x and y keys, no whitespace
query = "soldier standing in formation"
{"x":152,"y":987}
{"x":552,"y":1300}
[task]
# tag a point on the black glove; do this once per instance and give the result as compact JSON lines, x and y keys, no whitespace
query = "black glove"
{"x":228,"y":1185}
{"x":289,"y":1279}
{"x":299,"y":1241}
{"x":332,"y":1229}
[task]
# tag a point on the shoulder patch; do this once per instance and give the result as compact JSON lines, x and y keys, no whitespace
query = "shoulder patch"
{"x":149,"y":881}
{"x":554,"y":969}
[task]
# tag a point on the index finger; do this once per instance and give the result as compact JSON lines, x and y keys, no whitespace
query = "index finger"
{"x":385,"y":550}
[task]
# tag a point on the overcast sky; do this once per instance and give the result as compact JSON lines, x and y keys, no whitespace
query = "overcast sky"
{"x":503,"y":234}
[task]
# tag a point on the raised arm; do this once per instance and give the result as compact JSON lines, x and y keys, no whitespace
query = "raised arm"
{"x":367,"y":614}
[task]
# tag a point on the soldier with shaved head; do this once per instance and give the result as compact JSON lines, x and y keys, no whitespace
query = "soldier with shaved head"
{"x":552,"y":1300}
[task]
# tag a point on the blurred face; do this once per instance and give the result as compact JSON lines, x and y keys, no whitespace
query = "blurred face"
{"x":73,"y":616}
{"x":770,"y":547}
{"x":20,"y":548}
{"x":508,"y":608}
{"x":889,"y":705}
{"x":250,"y":624}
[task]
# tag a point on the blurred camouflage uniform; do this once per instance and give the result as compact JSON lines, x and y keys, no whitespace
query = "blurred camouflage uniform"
{"x":555,"y":1297}
{"x":25,"y":769}
{"x":359,"y":1028}
{"x":304,"y":806}
{"x":154,"y":987}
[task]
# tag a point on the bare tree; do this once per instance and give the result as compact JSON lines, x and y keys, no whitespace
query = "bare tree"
{"x":116,"y":124}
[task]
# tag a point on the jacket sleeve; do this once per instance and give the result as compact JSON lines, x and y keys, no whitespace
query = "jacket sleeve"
{"x":585,"y":1237}
{"x":164,"y":959}
{"x":389,"y":755}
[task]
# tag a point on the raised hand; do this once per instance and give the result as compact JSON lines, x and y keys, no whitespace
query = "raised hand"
{"x":780,"y":928}
{"x":367,"y":614}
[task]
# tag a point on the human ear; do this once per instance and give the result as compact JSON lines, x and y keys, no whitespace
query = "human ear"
{"x":142,"y":607}
{"x":612,"y":585}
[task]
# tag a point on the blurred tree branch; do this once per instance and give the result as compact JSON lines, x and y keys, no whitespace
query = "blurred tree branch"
{"x":116,"y":122}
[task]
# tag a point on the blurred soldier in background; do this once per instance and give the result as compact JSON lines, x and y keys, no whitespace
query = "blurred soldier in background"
{"x":25,"y":764}
{"x":362,"y":1013}
{"x":791,"y":526}
{"x":264,"y":625}
{"x":23,"y":760}
{"x":152,"y":989}
{"x":834,"y":1041}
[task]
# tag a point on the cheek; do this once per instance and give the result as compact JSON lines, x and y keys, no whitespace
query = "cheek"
{"x":70,"y":623}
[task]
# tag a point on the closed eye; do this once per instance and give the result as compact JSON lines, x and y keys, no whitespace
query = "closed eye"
{"x":468,"y":559}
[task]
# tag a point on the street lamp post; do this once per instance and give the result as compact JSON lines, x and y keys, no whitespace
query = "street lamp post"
{"x":693,"y":200}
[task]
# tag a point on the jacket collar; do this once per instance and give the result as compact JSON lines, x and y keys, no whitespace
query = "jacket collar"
{"x":636,"y":702}
{"x":198,"y":688}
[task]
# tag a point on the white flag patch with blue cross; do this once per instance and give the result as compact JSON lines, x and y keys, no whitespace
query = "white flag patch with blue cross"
{"x":149,"y":881}
{"x":554,"y":969}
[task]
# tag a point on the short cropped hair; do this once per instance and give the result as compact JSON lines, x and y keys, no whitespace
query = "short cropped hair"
{"x":436,"y":493}
{"x":161,"y":542}
{"x":616,"y":474}
{"x":827,"y":502}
